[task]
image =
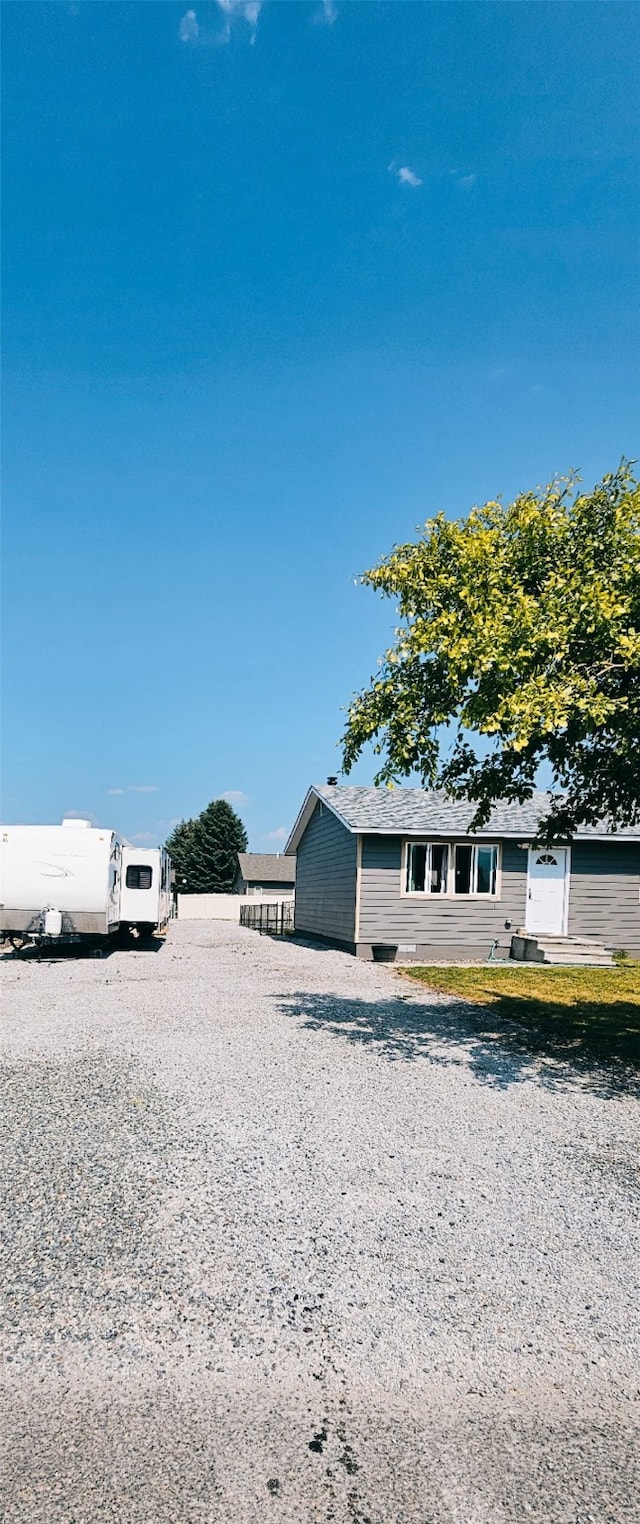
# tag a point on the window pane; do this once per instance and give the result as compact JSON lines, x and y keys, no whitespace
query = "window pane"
{"x":438,"y":870}
{"x":139,"y":877}
{"x":463,"y":870}
{"x":416,"y":867}
{"x":486,"y":858}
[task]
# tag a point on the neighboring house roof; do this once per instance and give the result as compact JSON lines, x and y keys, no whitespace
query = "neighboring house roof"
{"x":410,"y":811}
{"x":258,"y":867}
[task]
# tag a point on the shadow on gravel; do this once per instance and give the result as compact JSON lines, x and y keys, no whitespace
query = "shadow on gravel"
{"x":78,"y":952}
{"x":596,"y":1048}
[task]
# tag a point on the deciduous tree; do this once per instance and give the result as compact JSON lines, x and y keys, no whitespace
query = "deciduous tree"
{"x":520,"y":636}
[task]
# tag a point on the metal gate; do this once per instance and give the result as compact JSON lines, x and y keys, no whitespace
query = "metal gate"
{"x":269,"y":920}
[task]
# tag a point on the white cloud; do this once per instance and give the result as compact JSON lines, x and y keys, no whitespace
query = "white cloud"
{"x":278,"y":835}
{"x":145,"y":838}
{"x":189,"y":31}
{"x":234,"y":796}
{"x":408,"y":176}
{"x":249,"y":9}
{"x":136,"y":788}
{"x":465,"y":181}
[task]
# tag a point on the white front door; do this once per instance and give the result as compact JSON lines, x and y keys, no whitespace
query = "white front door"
{"x":547,"y":891}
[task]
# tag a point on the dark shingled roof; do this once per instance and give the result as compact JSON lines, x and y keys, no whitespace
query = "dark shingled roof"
{"x":417,"y":811}
{"x":266,"y":867}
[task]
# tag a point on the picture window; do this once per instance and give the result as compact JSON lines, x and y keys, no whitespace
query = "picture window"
{"x":465,"y":868}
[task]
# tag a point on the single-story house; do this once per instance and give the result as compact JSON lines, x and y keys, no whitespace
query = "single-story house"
{"x":399,"y":869}
{"x":269,"y":873}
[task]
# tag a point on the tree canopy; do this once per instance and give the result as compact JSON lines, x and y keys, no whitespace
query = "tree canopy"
{"x":519,"y":645}
{"x":204,"y":851}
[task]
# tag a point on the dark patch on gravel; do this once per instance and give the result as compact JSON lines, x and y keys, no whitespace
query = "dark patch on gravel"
{"x":318,"y":1442}
{"x":609,"y":1165}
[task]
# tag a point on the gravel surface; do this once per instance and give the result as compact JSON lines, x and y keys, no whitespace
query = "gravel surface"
{"x":284,"y":1239}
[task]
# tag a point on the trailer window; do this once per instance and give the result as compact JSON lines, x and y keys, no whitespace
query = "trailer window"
{"x":139,"y":876}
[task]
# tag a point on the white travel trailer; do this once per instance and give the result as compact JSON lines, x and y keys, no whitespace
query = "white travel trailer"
{"x":145,"y":894}
{"x":68,"y":883}
{"x":60,"y":881}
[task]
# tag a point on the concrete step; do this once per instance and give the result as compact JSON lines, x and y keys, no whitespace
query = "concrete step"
{"x":588,"y":944}
{"x":573,"y":960}
{"x":557,"y":943}
{"x":562,"y":952}
{"x":550,"y":939}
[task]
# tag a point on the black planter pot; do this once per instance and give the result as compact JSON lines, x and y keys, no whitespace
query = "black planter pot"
{"x":384,"y":952}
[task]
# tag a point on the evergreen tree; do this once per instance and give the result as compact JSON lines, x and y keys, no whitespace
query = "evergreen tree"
{"x":179,"y":847}
{"x":204,"y":851}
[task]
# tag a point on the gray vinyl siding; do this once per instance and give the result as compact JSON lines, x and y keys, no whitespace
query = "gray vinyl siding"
{"x":326,"y":879}
{"x":387,"y":915}
{"x":604,"y":893}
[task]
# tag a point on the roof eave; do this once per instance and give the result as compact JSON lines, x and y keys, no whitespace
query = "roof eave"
{"x":486,"y":833}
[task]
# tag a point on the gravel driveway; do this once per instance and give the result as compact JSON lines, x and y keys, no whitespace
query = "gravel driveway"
{"x":284,"y":1241}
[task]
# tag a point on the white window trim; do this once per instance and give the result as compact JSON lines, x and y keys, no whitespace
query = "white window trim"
{"x":450,"y":894}
{"x":425,"y":894}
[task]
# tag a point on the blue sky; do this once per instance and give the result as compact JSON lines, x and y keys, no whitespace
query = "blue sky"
{"x":280,"y":282}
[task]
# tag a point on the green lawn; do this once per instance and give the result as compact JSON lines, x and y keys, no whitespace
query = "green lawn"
{"x":532,"y":983}
{"x":588,"y":1012}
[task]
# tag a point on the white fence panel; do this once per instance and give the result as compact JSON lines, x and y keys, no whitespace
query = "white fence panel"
{"x":209,"y":907}
{"x":222,"y":907}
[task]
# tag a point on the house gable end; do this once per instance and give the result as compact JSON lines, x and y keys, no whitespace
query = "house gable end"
{"x":326,"y":877}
